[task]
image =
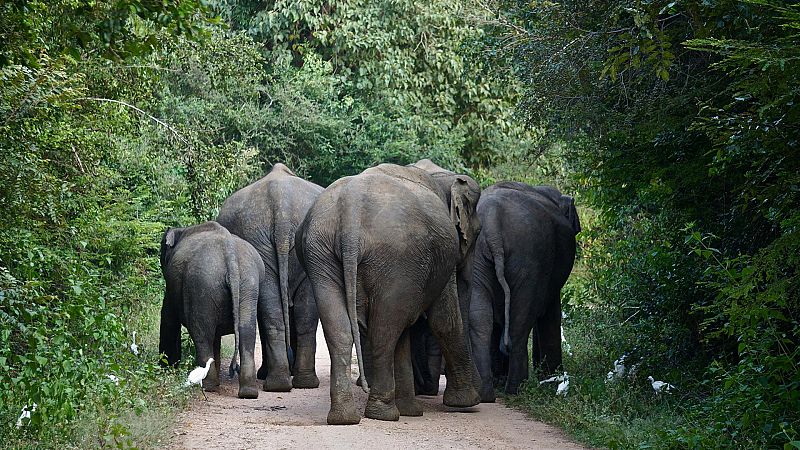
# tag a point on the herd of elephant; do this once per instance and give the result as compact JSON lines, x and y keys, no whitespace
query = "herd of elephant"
{"x":407,"y":263}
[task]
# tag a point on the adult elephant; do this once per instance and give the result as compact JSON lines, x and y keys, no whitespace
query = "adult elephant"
{"x":267,"y":214}
{"x":380,"y":248}
{"x":523,"y":256}
{"x":426,"y":354}
{"x":213,"y":282}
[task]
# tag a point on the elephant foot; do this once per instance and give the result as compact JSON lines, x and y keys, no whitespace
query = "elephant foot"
{"x":277,"y":384}
{"x":343,"y":416}
{"x":248,"y":391}
{"x":487,"y":394}
{"x":379,"y":410}
{"x":463,"y":398}
{"x":408,"y":407}
{"x":305,"y":381}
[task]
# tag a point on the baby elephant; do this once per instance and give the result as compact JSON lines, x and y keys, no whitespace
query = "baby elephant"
{"x":212,"y":288}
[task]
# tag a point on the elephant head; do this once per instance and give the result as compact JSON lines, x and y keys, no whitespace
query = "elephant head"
{"x":564,"y":203}
{"x":173,"y":236}
{"x":461,"y":196}
{"x":463,"y":203}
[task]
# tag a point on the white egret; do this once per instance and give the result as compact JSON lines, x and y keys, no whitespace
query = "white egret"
{"x":660,"y":386}
{"x":199,"y":374}
{"x":134,"y":347}
{"x":619,"y":369}
{"x":567,"y":347}
{"x":563,"y":387}
{"x":553,"y":378}
{"x":26,"y":414}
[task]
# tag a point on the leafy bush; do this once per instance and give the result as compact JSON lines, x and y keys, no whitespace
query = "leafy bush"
{"x":679,"y":124}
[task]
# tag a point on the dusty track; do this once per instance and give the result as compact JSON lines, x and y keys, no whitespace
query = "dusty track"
{"x":297,"y":420}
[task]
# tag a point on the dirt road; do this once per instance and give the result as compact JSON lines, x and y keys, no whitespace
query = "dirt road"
{"x":297,"y":420}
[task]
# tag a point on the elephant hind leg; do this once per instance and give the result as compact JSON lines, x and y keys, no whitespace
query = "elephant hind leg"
{"x":275,"y":365}
{"x":444,"y":318}
{"x":384,"y":335}
{"x":339,"y":338}
{"x":304,"y":333}
{"x":204,"y":349}
{"x":217,"y":360}
{"x":518,"y":359}
{"x":404,"y":378}
{"x":484,"y":338}
{"x":548,"y":336}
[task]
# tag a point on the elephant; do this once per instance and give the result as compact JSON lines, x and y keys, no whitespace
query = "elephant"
{"x":266,"y":214}
{"x":213,"y":284}
{"x":523,"y":257}
{"x":426,"y":354}
{"x":380,"y":248}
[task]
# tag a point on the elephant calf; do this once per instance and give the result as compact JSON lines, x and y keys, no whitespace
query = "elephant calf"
{"x":213,"y":280}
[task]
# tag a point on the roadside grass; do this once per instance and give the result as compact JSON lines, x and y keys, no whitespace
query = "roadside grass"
{"x":619,"y":413}
{"x":620,"y":416}
{"x":138,"y":410}
{"x":155,"y":395}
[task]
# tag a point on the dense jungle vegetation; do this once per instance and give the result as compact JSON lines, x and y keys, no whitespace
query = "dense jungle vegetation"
{"x":676,"y":125}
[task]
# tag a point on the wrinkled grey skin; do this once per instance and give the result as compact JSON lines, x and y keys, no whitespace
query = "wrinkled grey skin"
{"x":266,"y":214}
{"x":380,"y":248}
{"x":213,"y":280}
{"x":426,"y":354}
{"x":523,"y":256}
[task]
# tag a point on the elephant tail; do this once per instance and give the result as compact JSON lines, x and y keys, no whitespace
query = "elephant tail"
{"x":233,"y":281}
{"x":350,"y":251}
{"x":496,"y":248}
{"x":283,"y":281}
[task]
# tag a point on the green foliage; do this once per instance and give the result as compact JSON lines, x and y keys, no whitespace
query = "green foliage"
{"x":118,"y":119}
{"x":675,"y":113}
{"x":417,"y":63}
{"x":78,"y":239}
{"x":85,"y":28}
{"x":623,"y":413}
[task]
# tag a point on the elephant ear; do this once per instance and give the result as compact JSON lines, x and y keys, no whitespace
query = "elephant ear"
{"x":567,"y":206}
{"x":462,"y":210}
{"x":169,"y":237}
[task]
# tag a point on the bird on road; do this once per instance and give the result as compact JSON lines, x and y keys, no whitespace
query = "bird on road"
{"x":199,"y":374}
{"x":660,"y":386}
{"x":134,"y":347}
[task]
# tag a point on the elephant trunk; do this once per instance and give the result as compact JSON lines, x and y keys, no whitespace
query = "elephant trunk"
{"x":496,"y":250}
{"x":233,"y":282}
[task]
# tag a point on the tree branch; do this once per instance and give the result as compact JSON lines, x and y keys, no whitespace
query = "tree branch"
{"x":154,"y":119}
